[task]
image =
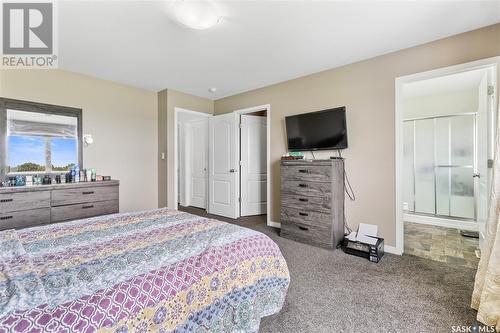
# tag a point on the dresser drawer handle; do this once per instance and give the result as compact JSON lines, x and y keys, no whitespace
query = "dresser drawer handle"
{"x":304,"y":171}
{"x":303,"y":199}
{"x":88,"y":206}
{"x":303,"y":185}
{"x":303,"y":214}
{"x":6,"y":200}
{"x":303,"y":228}
{"x":6,"y":217}
{"x":88,"y":192}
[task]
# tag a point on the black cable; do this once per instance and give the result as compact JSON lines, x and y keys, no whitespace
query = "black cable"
{"x":313,"y":155}
{"x":348,"y":189}
{"x":350,"y":193}
{"x":346,"y":225}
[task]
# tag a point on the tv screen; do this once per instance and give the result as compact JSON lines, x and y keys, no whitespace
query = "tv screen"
{"x":321,"y":130}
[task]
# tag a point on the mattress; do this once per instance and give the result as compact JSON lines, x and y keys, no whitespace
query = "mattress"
{"x":159,"y":270}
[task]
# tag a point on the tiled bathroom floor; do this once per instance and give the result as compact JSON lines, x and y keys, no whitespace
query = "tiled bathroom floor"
{"x":440,"y":244}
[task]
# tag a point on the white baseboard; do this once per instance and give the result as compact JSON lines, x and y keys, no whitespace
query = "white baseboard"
{"x":441,"y":222}
{"x":392,"y":250}
{"x":274,"y":224}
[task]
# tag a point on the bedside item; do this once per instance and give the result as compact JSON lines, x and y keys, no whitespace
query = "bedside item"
{"x":98,"y":178}
{"x":106,"y":178}
{"x":28,"y":206}
{"x":297,"y":155}
{"x":373,"y":251}
{"x":312,"y":201}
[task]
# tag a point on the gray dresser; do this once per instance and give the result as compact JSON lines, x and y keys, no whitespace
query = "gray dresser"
{"x":312,"y":201}
{"x":28,"y":206}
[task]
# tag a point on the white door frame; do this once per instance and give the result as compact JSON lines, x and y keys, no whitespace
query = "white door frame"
{"x":178,"y":110}
{"x":398,"y":116}
{"x":267,"y":108}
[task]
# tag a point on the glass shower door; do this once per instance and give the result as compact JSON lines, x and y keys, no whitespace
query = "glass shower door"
{"x":455,"y":166}
{"x":440,"y":152}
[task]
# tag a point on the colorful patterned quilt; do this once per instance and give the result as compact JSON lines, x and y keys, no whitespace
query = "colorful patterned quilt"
{"x":154,"y":271}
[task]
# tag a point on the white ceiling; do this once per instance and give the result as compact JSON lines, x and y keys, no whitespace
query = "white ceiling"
{"x":257,"y":44}
{"x":445,"y":84}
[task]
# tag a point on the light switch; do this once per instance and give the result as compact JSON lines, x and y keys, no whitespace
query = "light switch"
{"x":162,"y":156}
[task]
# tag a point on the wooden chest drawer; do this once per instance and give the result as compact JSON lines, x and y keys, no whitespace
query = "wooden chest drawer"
{"x":12,"y":202}
{"x":304,"y":188}
{"x":307,"y":173}
{"x":318,"y":204}
{"x":80,"y":211}
{"x":26,"y":218}
{"x":307,"y":217}
{"x":316,"y":235}
{"x":83,"y":195}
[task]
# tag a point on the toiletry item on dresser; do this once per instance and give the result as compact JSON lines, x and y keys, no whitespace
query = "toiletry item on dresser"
{"x":88,"y":174}
{"x":58,"y":179}
{"x":37,"y":180}
{"x":47,"y":180}
{"x":76,"y":177}
{"x":93,"y":175}
{"x":83,"y":175}
{"x":69,"y":177}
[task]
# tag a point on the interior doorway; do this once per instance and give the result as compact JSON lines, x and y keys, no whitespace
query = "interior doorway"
{"x":222,"y":161}
{"x":239,"y":163}
{"x":445,"y":145}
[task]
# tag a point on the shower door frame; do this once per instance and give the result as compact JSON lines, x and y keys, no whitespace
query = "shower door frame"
{"x":449,"y":167}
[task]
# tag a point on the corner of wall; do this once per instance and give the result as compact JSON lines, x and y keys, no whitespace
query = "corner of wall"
{"x":162,"y":147}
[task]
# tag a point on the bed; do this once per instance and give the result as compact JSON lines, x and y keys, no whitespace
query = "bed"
{"x":153,"y":271}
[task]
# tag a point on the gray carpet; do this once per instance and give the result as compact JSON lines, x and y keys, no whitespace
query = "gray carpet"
{"x":331,"y":291}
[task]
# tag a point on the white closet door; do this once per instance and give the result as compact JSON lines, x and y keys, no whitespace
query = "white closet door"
{"x":199,"y":146}
{"x":223,"y":165}
{"x":253,"y":165}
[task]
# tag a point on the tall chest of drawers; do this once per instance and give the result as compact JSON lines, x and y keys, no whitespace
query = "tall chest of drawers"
{"x":29,"y":206}
{"x":312,"y":201}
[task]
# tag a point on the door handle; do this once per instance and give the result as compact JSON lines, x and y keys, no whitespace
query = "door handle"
{"x":476,"y":175}
{"x":232,"y":170}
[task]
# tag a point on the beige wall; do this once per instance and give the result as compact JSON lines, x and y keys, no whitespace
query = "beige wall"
{"x":168,"y":100}
{"x":367,"y":90}
{"x":122,"y":120}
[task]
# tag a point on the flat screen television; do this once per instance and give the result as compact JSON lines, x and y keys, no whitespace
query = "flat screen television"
{"x":321,"y":130}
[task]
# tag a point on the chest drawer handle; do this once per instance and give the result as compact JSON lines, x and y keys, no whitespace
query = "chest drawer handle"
{"x":303,"y":199}
{"x":6,"y":200}
{"x":303,"y":214}
{"x":303,"y":228}
{"x":88,"y":206}
{"x":6,"y":217}
{"x":88,"y":192}
{"x":304,"y":171}
{"x":303,"y":185}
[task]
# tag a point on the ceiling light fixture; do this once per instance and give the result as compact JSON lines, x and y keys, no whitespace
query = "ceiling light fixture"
{"x":212,"y":90}
{"x":196,"y":14}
